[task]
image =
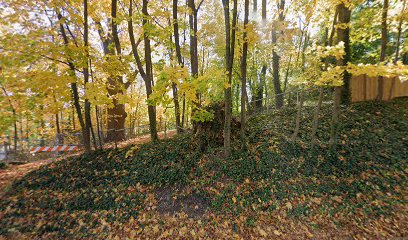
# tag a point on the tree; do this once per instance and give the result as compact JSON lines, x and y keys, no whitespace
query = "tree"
{"x":275,"y":58}
{"x":244,"y":74}
{"x":74,"y":88}
{"x":229,"y":61}
{"x":384,"y":40}
{"x":180,"y":62}
{"x":343,"y":35}
{"x":147,"y":73}
{"x":87,"y":106}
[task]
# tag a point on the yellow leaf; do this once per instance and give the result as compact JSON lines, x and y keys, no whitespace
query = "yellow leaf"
{"x":262,"y":232}
{"x":277,"y":233}
{"x":234,"y":199}
{"x":183,"y":231}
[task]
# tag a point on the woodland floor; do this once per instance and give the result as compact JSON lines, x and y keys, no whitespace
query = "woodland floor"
{"x":278,"y":189}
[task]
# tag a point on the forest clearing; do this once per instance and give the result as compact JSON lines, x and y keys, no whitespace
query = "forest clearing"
{"x":203,"y":119}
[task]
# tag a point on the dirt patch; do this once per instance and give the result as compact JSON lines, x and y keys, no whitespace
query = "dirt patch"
{"x":14,"y":172}
{"x":170,"y":202}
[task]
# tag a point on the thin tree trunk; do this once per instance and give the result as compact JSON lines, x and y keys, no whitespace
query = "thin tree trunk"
{"x":73,"y":118}
{"x":229,"y":57}
{"x":57,"y":125}
{"x":180,"y":62}
{"x":184,"y":111}
{"x":384,"y":40}
{"x":243,"y":76}
{"x":260,"y":88}
{"x":147,"y":74}
{"x":93,"y":137}
{"x":15,"y":130}
{"x":98,"y":126}
{"x":87,"y":112}
{"x":74,"y":87}
{"x":298,"y":116}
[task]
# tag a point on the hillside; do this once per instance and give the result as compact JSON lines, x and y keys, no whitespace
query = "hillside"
{"x":277,"y":189}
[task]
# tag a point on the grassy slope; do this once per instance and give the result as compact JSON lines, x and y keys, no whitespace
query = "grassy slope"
{"x":276,"y":189}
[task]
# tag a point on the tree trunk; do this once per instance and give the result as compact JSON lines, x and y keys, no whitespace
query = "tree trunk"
{"x":341,"y":93}
{"x":275,"y":60}
{"x":260,"y":88}
{"x":184,"y":111}
{"x":98,"y":126}
{"x":298,"y":116}
{"x":147,"y":74}
{"x":263,"y":10}
{"x":229,"y":57}
{"x":180,"y":62}
{"x":15,"y":130}
{"x":243,"y":76}
{"x":384,"y":40}
{"x":117,"y":114}
{"x":59,"y":137}
{"x":74,"y":87}
{"x":87,"y":112}
{"x":192,"y":20}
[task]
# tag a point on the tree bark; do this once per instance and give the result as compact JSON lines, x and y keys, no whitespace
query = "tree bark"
{"x":229,"y":58}
{"x":117,"y":114}
{"x":180,"y":62}
{"x":147,"y":74}
{"x":192,"y":19}
{"x":243,"y":76}
{"x":98,"y":126}
{"x":74,"y":87}
{"x":298,"y":116}
{"x":341,"y":93}
{"x":275,"y":60}
{"x":87,"y":107}
{"x":384,"y":40}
